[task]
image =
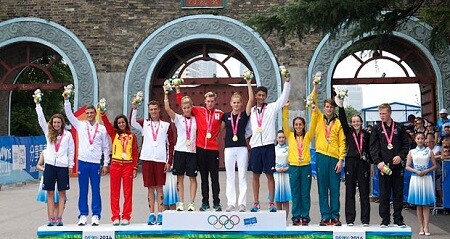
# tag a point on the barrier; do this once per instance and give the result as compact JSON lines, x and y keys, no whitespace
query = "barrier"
{"x":18,"y":158}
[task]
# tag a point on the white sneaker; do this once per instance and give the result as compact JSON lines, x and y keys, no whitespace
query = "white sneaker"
{"x":242,"y":208}
{"x":191,"y":207}
{"x":180,"y":206}
{"x":230,"y":208}
{"x":95,"y":221}
{"x":125,"y":222}
{"x":82,"y":221}
{"x":116,"y":222}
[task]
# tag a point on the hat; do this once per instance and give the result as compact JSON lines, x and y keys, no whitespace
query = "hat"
{"x":443,"y":111}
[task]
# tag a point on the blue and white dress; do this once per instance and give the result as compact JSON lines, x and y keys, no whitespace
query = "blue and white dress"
{"x":170,"y":189}
{"x":421,"y":189}
{"x":282,"y":186}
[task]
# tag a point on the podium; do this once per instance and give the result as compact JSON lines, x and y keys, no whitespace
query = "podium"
{"x":211,"y":224}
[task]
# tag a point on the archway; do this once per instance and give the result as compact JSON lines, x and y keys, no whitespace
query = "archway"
{"x":64,"y":43}
{"x":143,"y":67}
{"x":409,"y":42}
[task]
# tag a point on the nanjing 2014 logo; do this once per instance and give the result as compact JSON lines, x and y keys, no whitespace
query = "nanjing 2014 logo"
{"x":223,"y":221}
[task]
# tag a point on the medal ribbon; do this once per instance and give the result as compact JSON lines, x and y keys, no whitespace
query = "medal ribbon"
{"x":208,"y":120}
{"x":359,"y":145}
{"x":299,"y":140}
{"x":388,"y":139}
{"x":234,"y":127}
{"x":188,"y":128}
{"x":154,"y":134}
{"x":124,"y":142}
{"x":328,"y":128}
{"x":91,"y":141}
{"x":58,"y":141}
{"x":260,"y":116}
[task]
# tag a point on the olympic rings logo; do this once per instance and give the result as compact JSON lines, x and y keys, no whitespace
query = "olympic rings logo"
{"x":223,"y":221}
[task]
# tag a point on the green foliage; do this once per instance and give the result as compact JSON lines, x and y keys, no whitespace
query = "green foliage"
{"x":350,"y":111}
{"x":23,"y":115}
{"x":381,"y":17}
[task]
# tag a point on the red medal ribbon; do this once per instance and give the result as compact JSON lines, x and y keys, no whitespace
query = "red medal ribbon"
{"x":154,"y":134}
{"x":91,"y":141}
{"x":328,"y":128}
{"x":124,"y":142}
{"x":234,"y":127}
{"x":188,"y":128}
{"x":359,"y":145}
{"x":208,"y":120}
{"x":260,"y":115}
{"x":58,"y":141}
{"x":299,"y":140}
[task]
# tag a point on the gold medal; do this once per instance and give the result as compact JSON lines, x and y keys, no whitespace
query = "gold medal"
{"x":188,"y":142}
{"x":259,"y":129}
{"x":208,"y":135}
{"x":235,"y":138}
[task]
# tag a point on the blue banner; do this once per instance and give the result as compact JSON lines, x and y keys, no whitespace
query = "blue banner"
{"x":18,"y":158}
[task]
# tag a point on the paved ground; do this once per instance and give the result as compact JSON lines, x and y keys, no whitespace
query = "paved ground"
{"x":22,"y":214}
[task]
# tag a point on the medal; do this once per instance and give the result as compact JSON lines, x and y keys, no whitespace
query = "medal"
{"x":208,"y":123}
{"x":208,"y":135}
{"x":328,"y":129}
{"x":390,"y":146}
{"x":188,"y":142}
{"x":235,"y":138}
{"x":359,"y":145}
{"x":124,"y":142}
{"x":188,"y":130}
{"x":154,"y":133}
{"x":234,"y":127}
{"x":259,"y":129}
{"x":259,"y":118}
{"x":124,"y":155}
{"x":155,"y":143}
{"x":91,"y":140}
{"x":91,"y":147}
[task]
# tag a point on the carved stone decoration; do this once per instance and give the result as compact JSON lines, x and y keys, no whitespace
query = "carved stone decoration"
{"x":141,"y":69}
{"x":65,"y":43}
{"x":326,"y":54}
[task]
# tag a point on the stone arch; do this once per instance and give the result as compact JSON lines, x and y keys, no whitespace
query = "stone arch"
{"x":140,"y":71}
{"x":413,"y":31}
{"x":65,"y":43}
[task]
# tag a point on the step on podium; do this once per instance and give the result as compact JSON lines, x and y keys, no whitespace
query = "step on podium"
{"x":213,"y":224}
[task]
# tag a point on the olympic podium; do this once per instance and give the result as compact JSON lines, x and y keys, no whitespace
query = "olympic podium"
{"x":211,"y":224}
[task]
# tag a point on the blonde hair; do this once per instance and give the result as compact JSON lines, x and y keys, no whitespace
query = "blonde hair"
{"x":186,"y":100}
{"x":385,"y":106}
{"x":210,"y":94}
{"x":236,"y":95}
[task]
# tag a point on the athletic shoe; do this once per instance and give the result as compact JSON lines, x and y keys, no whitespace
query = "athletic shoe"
{"x":400,"y":224}
{"x":384,"y":225}
{"x":159,"y":219}
{"x":256,"y":207}
{"x":324,"y":222}
{"x":116,"y":222}
{"x":217,"y":208}
{"x":82,"y":220}
{"x":95,"y":221}
{"x":242,"y":208}
{"x":272,"y":207}
{"x":365,"y":224}
{"x":350,"y":224}
{"x":230,"y":208}
{"x":335,"y":222}
{"x":296,"y":222}
{"x":151,"y":219}
{"x":125,"y":222}
{"x":305,"y":221}
{"x":204,"y":207}
{"x":180,"y":206}
{"x":59,"y":222}
{"x":51,"y":222}
{"x":191,"y":207}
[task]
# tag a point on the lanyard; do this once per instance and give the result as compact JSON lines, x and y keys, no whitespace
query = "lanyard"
{"x":359,"y":145}
{"x":188,"y":128}
{"x":154,"y":134}
{"x":234,"y":127}
{"x":388,"y":139}
{"x":91,"y":141}
{"x":260,"y":116}
{"x":58,"y":141}
{"x":299,"y":140}
{"x":328,"y":129}
{"x":208,"y":120}
{"x":124,"y":142}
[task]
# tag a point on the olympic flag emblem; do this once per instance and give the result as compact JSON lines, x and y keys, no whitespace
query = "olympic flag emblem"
{"x":224,"y":221}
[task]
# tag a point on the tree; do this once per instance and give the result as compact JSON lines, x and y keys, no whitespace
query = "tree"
{"x":381,"y":17}
{"x":23,"y":116}
{"x":350,"y":112}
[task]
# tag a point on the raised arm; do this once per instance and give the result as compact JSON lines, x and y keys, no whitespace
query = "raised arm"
{"x":71,"y":151}
{"x":109,"y":127}
{"x":133,"y":120}
{"x":41,"y":118}
{"x":169,"y":110}
{"x":285,"y":117}
{"x":343,"y":118}
{"x":69,"y":114}
{"x":284,"y":94}
{"x":251,"y":97}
